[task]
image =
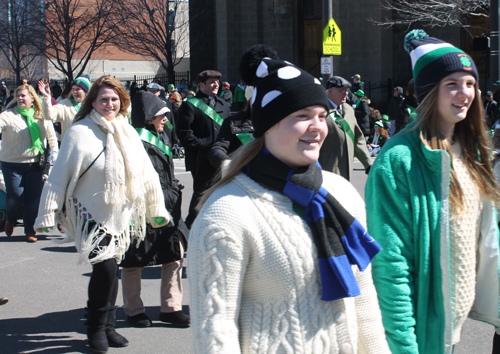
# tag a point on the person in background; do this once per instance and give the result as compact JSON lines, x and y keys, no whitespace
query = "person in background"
{"x":407,"y":110}
{"x":239,"y":95}
{"x":490,"y":110}
{"x":56,"y":90}
{"x":24,"y":144}
{"x":3,"y":93}
{"x":170,"y":89}
{"x":362,"y":112}
{"x":164,"y":245}
{"x":182,"y":86}
{"x":268,"y":271}
{"x":394,"y":104}
{"x":357,"y":83}
{"x":103,"y":188}
{"x":65,"y":111}
{"x":431,"y":195}
{"x":377,"y":139}
{"x":198,"y":122}
{"x":133,"y":90}
{"x":10,"y":98}
{"x":175,"y":101}
{"x":225,"y":92}
{"x":127,"y":86}
{"x":345,"y":140}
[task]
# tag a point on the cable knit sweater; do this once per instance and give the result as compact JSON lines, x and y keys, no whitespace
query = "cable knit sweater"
{"x":84,"y":197}
{"x":16,"y":138}
{"x":63,"y":112}
{"x":255,"y":284}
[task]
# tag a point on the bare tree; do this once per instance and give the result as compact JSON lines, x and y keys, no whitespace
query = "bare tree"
{"x":74,"y":30}
{"x":155,"y":28}
{"x":20,"y":34}
{"x":433,"y":13}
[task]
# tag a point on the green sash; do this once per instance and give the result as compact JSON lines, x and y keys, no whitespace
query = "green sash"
{"x":244,"y":137}
{"x":149,"y":137}
{"x":341,"y":122}
{"x":356,"y":104}
{"x":206,"y":109}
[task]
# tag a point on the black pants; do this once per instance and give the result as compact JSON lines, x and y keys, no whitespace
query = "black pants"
{"x":103,"y":285}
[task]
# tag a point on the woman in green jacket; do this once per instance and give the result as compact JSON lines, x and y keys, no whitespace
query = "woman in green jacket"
{"x":436,"y":219}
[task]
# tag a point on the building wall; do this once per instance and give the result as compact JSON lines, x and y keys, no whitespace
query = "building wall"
{"x":374,"y":52}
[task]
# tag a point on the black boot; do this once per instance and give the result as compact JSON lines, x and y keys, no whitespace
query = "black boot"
{"x":114,"y":339}
{"x":96,"y":334}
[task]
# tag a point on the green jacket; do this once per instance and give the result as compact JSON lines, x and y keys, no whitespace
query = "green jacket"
{"x":407,"y":213}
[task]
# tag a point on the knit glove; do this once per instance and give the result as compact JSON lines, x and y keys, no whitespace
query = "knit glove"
{"x":157,"y":222}
{"x":52,"y":157}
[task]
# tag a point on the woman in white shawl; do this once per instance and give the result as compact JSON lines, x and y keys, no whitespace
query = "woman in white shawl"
{"x":102,"y":189}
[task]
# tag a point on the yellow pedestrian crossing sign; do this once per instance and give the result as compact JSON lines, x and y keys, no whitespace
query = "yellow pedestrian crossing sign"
{"x":332,"y":39}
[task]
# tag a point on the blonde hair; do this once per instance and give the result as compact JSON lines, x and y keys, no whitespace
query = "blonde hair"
{"x":239,"y":159}
{"x":470,"y":133}
{"x":37,"y":104}
{"x":103,"y":81}
{"x":177,"y":96}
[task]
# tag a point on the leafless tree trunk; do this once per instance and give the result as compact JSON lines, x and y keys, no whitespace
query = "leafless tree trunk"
{"x":158,"y":29}
{"x":74,"y":30}
{"x":433,"y":13}
{"x":20,"y":34}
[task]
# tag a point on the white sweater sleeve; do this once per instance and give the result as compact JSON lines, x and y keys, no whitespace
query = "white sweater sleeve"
{"x":217,"y":261}
{"x":51,"y":202}
{"x":50,"y":112}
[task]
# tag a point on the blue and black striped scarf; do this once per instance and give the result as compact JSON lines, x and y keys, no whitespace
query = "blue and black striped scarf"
{"x":340,"y":239}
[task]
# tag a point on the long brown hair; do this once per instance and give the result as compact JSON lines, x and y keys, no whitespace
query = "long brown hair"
{"x":103,"y":81}
{"x":470,"y":133}
{"x":239,"y":159}
{"x":37,"y":104}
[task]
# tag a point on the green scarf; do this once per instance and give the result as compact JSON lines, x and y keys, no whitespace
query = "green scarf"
{"x":76,"y":104}
{"x":35,"y":131}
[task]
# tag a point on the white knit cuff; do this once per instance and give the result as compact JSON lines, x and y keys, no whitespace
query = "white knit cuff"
{"x":44,"y":221}
{"x":158,"y":211}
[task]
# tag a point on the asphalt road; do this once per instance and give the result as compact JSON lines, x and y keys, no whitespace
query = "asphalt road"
{"x":47,"y":291}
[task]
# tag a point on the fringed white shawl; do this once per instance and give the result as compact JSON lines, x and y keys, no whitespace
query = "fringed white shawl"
{"x":119,"y":192}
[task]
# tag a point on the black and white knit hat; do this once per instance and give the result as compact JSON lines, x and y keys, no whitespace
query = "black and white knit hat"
{"x":281,"y":89}
{"x":433,"y":59}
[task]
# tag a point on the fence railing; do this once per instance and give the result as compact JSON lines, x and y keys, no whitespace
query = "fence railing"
{"x":380,"y":93}
{"x":179,"y":75}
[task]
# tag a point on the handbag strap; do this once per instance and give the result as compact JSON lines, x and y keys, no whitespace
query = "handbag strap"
{"x":92,"y":163}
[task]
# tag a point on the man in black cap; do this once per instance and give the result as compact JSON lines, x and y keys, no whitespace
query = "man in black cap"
{"x":345,"y":139}
{"x":198,"y":122}
{"x":490,"y":109}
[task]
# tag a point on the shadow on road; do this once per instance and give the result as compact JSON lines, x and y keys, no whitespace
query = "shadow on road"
{"x":48,"y":333}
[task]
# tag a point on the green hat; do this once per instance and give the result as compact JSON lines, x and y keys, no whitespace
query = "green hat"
{"x":360,"y":93}
{"x":385,"y":117}
{"x":379,"y":123}
{"x":433,"y":59}
{"x":170,"y":86}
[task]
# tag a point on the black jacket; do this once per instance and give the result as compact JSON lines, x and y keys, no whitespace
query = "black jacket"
{"x":491,"y":112}
{"x":196,"y":131}
{"x":161,"y":245}
{"x":402,"y":117}
{"x":362,"y":113}
{"x":227,"y":140}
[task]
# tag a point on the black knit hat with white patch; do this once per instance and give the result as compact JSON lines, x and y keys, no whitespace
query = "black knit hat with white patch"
{"x":281,"y":89}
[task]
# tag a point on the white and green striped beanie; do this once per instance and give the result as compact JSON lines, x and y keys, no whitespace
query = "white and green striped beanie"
{"x":433,"y":59}
{"x":83,"y":82}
